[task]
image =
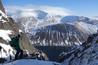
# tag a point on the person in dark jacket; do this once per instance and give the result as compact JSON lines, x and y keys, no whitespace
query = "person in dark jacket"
{"x":15,"y":44}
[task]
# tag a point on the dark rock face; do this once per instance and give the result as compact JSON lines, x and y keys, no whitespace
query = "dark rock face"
{"x":53,"y":51}
{"x":2,"y":60}
{"x":58,"y":35}
{"x":84,"y":55}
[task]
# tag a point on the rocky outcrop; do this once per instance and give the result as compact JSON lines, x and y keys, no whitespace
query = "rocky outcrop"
{"x":9,"y":29}
{"x":87,"y":54}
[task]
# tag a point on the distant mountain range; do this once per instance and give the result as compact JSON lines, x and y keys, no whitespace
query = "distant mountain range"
{"x":56,"y":30}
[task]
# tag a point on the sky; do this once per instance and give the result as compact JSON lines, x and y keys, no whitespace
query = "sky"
{"x":77,"y":7}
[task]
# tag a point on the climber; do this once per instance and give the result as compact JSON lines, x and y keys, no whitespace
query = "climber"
{"x":16,"y":45}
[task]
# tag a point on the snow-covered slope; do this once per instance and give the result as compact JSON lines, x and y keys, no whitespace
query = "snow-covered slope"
{"x":86,"y":27}
{"x":6,"y":51}
{"x":4,"y":34}
{"x":31,"y":62}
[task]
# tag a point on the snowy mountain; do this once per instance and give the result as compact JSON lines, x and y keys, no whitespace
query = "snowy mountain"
{"x":62,"y":34}
{"x":31,"y":62}
{"x":58,"y":30}
{"x":36,"y":19}
{"x":36,"y":22}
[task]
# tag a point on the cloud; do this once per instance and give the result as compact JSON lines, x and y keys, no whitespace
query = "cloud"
{"x":30,"y":9}
{"x":56,"y":10}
